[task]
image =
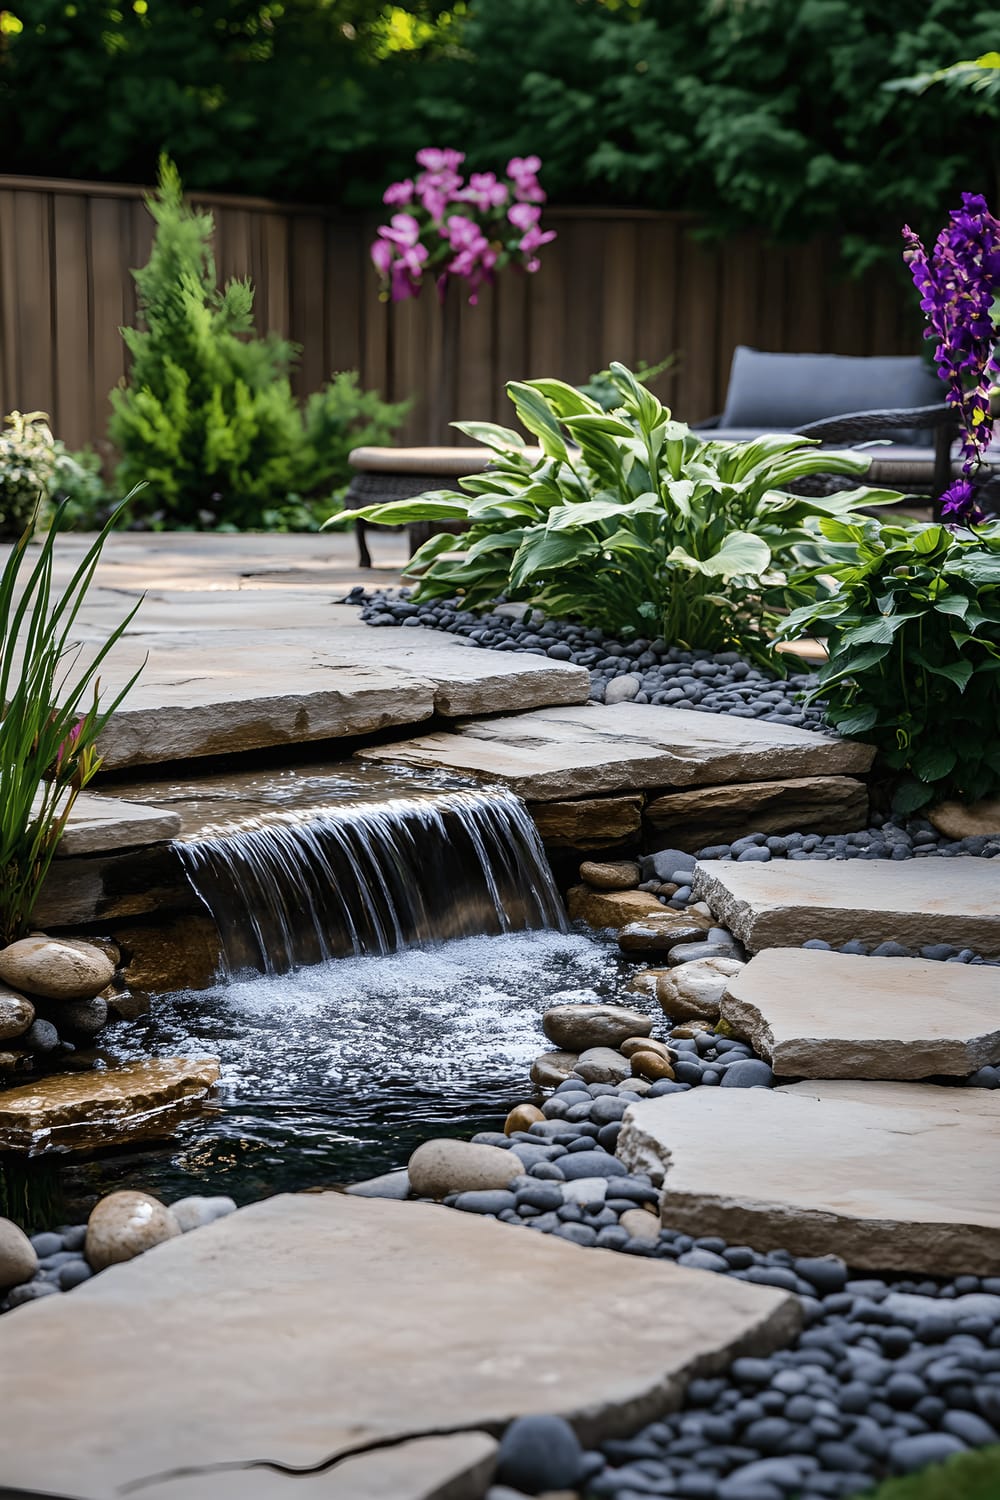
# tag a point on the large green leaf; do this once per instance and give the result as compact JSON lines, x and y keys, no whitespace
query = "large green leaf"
{"x":563,"y":517}
{"x":491,"y":435}
{"x":566,"y":400}
{"x":741,"y":554}
{"x":538,"y":417}
{"x":544,"y":552}
{"x":436,"y":505}
{"x":876,"y":632}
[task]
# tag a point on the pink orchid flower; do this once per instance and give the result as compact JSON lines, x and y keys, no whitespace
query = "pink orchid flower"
{"x":399,"y":192}
{"x":436,"y":159}
{"x":524,"y":216}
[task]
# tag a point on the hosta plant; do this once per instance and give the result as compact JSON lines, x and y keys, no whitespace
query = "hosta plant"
{"x":51,"y":713}
{"x":627,"y":520}
{"x":913,"y":626}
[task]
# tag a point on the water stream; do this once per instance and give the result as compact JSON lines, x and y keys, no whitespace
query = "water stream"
{"x":389,"y":949}
{"x":301,"y":886}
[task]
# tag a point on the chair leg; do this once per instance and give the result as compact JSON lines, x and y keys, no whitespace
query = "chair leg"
{"x":944,"y":436}
{"x":364,"y":556}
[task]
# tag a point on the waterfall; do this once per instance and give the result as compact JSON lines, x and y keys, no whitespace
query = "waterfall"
{"x":298,"y":887}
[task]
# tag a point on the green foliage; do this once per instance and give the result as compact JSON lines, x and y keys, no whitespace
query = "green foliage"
{"x":965,"y":1476}
{"x":53,"y":712}
{"x":209,"y":419}
{"x":80,"y":488}
{"x":36,"y":468}
{"x":770,"y":113}
{"x":914,"y":640}
{"x":601,"y":385}
{"x":980,"y":75}
{"x":627,"y":521}
{"x":27,"y":469}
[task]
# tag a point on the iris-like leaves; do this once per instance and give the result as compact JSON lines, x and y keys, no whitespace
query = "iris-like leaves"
{"x":52,"y":710}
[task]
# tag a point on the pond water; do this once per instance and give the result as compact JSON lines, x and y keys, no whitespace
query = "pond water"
{"x":337,"y":1071}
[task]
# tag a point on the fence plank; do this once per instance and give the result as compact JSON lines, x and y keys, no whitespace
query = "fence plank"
{"x":72,"y":410}
{"x":32,"y":255}
{"x":615,"y":284}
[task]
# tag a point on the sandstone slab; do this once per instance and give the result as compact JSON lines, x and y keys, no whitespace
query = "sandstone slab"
{"x":610,"y":908}
{"x":225,"y":691}
{"x":73,"y":1111}
{"x":783,"y":903}
{"x":658,"y":932}
{"x":814,"y":1014}
{"x":617,"y":875}
{"x":99,"y":824}
{"x":431,"y":1468}
{"x":827,"y":804}
{"x":589,"y":823}
{"x":556,"y":753}
{"x":897,"y":1177}
{"x":306,"y":1327}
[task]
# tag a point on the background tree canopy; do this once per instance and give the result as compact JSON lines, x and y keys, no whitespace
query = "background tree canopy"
{"x":752,"y":112}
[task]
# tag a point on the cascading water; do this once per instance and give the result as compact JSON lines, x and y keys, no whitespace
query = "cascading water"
{"x":299,"y":887}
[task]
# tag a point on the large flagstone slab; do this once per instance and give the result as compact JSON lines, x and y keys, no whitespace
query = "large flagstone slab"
{"x":814,"y":1014}
{"x":890,"y":1176}
{"x":306,"y":1327}
{"x":783,"y":903}
{"x":458,"y":1467}
{"x":557,"y":753}
{"x":216,"y":692}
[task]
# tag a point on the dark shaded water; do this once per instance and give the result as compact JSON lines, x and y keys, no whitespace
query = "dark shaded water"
{"x":337,"y":1071}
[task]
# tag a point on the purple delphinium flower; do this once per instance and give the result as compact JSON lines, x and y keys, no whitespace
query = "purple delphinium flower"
{"x":957,"y":283}
{"x":958,"y":504}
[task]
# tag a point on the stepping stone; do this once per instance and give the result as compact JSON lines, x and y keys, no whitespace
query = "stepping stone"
{"x":556,"y":753}
{"x":838,"y":1015}
{"x":890,"y":1176}
{"x":135,"y":1101}
{"x":215,"y":692}
{"x":307,"y":1326}
{"x":783,"y":903}
{"x":430,"y":1468}
{"x":718,"y":814}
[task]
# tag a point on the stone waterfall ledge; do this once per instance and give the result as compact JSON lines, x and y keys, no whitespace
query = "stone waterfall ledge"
{"x":306,"y":1326}
{"x":76,"y":1111}
{"x":889,"y":1176}
{"x":226,"y":691}
{"x":558,"y":753}
{"x":719,"y":814}
{"x":814,"y":1014}
{"x":98,"y":824}
{"x":782,"y":904}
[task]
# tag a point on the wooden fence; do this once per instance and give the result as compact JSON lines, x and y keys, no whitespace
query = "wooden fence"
{"x":616,"y":284}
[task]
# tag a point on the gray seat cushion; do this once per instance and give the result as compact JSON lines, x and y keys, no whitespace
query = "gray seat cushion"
{"x":782,"y":392}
